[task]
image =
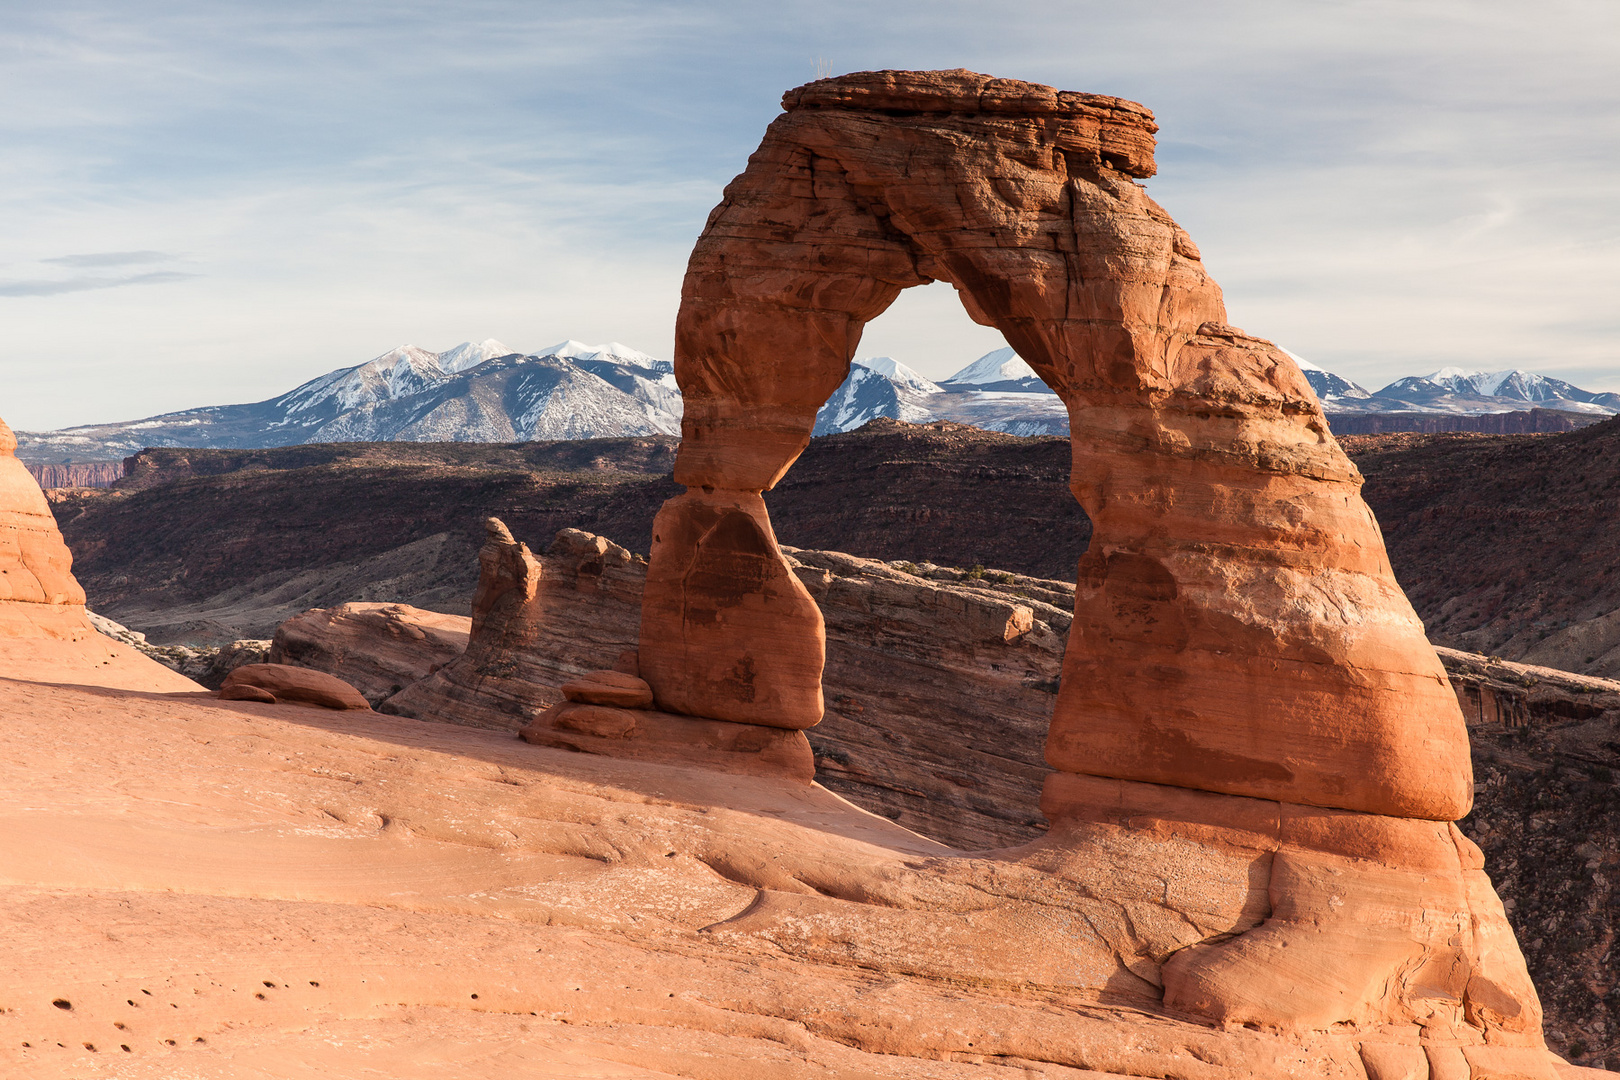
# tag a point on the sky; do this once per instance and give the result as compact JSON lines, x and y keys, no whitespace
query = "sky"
{"x":210,"y":203}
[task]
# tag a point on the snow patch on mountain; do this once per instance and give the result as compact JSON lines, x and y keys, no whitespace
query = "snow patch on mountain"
{"x":900,"y":374}
{"x":467,"y":355}
{"x":1333,"y":391}
{"x":612,"y":352}
{"x":1000,"y":369}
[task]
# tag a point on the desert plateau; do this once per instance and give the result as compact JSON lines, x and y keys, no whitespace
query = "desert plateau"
{"x":1180,"y":738}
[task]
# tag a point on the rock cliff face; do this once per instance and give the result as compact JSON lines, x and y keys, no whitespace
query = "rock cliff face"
{"x":938,"y":691}
{"x":1538,"y":421}
{"x":79,"y":474}
{"x":1508,"y":544}
{"x":42,"y":613}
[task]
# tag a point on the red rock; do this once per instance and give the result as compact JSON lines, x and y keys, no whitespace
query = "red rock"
{"x":247,"y":692}
{"x":1238,"y":632}
{"x":1238,"y":626}
{"x":285,"y":683}
{"x":727,"y":630}
{"x":45,"y":631}
{"x":35,"y":565}
{"x":609,"y":688}
{"x":528,"y":634}
{"x":670,"y":739}
{"x":379,"y":649}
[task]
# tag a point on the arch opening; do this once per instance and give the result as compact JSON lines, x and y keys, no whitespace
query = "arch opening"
{"x":924,"y":360}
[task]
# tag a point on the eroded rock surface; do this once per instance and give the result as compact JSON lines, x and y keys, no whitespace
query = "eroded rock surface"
{"x":1238,"y":631}
{"x":938,"y":691}
{"x":48,"y":633}
{"x":378,"y":648}
{"x":1231,"y":545}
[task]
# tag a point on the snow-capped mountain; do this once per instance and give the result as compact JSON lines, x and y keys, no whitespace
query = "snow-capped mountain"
{"x":1002,"y":369}
{"x":486,"y":392}
{"x":1455,"y":390}
{"x":998,"y":392}
{"x":879,"y":386}
{"x":1334,"y":391}
{"x":482,"y":392}
{"x":612,"y":352}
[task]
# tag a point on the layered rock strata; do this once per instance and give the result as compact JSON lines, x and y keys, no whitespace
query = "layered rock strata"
{"x":610,"y":712}
{"x":939,"y":691}
{"x":526,"y":641}
{"x":43,"y":622}
{"x":380,"y":648}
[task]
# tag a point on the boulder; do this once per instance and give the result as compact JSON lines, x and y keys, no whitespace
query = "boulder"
{"x":285,"y":683}
{"x":377,"y":648}
{"x":609,"y":688}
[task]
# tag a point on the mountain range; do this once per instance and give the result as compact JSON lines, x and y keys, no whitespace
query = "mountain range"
{"x":1455,"y":391}
{"x":487,"y":392}
{"x":484,"y":392}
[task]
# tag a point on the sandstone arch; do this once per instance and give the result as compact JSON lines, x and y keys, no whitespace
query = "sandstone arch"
{"x":1238,"y":627}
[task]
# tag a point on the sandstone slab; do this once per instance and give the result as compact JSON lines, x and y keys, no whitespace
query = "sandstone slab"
{"x":435,"y":878}
{"x":617,"y":688}
{"x":284,"y":683}
{"x":650,"y":735}
{"x":378,"y":648}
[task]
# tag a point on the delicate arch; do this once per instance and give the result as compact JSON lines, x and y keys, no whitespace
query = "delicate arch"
{"x":1237,"y":625}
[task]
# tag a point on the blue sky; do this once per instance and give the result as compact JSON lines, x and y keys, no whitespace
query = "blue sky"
{"x":209,"y":203}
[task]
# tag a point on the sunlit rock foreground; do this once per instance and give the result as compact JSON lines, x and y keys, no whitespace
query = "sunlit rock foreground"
{"x":199,"y":887}
{"x":235,"y":889}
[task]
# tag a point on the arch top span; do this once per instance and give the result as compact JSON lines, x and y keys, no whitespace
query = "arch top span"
{"x":1237,"y":629}
{"x":1093,"y":124}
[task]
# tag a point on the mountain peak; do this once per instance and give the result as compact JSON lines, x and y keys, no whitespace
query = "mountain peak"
{"x":999,"y":369}
{"x":468,"y":355}
{"x":898,"y":373}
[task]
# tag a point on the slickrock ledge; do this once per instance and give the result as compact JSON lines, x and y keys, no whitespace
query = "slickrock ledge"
{"x":44,"y":628}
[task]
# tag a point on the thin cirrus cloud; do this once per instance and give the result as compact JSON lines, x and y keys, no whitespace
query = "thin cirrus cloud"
{"x":98,"y":259}
{"x":1382,"y":187}
{"x":90,"y":282}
